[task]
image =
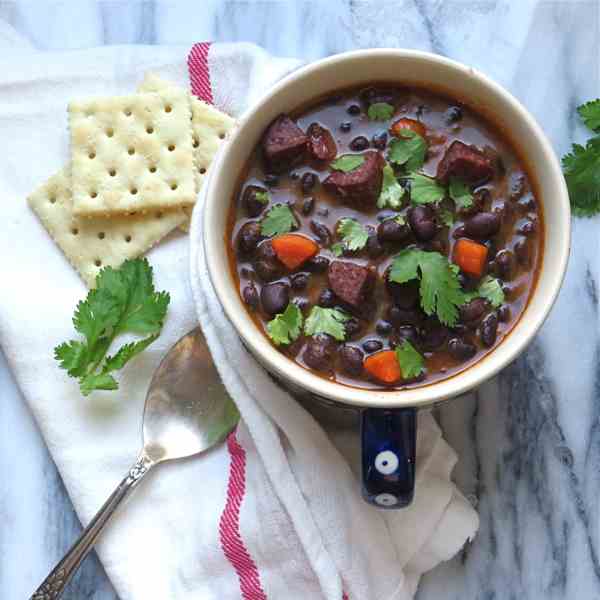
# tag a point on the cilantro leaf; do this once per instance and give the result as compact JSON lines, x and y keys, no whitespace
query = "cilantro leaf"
{"x":326,"y":320}
{"x":447,"y":217}
{"x":285,"y":327}
{"x":391,"y":191}
{"x":439,"y":288}
{"x":348,"y":162}
{"x":412,"y":364}
{"x":459,"y":192}
{"x":425,"y":190}
{"x":590,"y":114}
{"x":124,"y":301}
{"x":280,"y":219}
{"x":582,"y":172}
{"x":337,"y":249}
{"x":262,"y":197}
{"x":408,"y":150}
{"x":380,"y":111}
{"x":490,"y":289}
{"x":354,"y":235}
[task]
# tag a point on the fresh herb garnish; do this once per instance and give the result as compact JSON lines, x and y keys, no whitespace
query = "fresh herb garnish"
{"x":439,"y":288}
{"x":459,"y":192}
{"x":262,"y":197}
{"x":280,"y":219}
{"x":490,"y":289}
{"x":124,"y":301}
{"x":391,"y":191}
{"x":581,"y":166}
{"x":285,"y":327}
{"x":326,"y":320}
{"x":411,"y":362}
{"x":408,"y":150}
{"x":338,"y":248}
{"x":380,"y":111}
{"x":446,"y":217}
{"x":425,"y":190}
{"x":348,"y":162}
{"x":354,"y":235}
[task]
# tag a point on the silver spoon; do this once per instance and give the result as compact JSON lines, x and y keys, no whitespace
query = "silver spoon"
{"x":187,"y":412}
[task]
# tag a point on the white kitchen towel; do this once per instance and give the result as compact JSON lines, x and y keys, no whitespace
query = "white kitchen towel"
{"x":274,"y":513}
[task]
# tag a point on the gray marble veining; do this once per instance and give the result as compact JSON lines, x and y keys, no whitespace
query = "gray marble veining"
{"x":529,"y":441}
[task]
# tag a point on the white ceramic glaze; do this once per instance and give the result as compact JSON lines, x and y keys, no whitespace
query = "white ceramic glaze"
{"x":404,"y":67}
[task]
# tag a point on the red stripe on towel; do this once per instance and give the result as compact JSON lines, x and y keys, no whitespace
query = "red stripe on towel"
{"x":199,"y":71}
{"x":229,"y":526}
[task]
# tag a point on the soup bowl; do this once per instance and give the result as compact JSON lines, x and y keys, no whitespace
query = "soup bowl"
{"x":389,"y":416}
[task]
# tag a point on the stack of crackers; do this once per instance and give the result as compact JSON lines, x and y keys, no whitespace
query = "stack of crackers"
{"x":137,"y":163}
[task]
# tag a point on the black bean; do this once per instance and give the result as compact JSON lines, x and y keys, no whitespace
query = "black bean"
{"x":360,"y":143}
{"x":460,"y":329}
{"x":252,"y":200}
{"x":383,"y":327}
{"x":248,"y":237}
{"x":352,"y":326}
{"x":491,"y":246}
{"x":371,"y":346}
{"x":250,"y":295}
{"x":274,"y":297}
{"x":319,"y":352}
{"x":467,"y":283}
{"x":474,"y":310}
{"x":295,"y":176}
{"x":459,"y":232}
{"x":246,"y":272}
{"x":504,"y":210}
{"x":517,"y":186}
{"x":405,"y":316}
{"x":392,"y":231}
{"x":267,"y":265}
{"x":271,"y":179}
{"x":504,"y":313}
{"x":489,"y":330}
{"x":351,"y":359}
{"x":434,"y":335}
{"x":299,"y":281}
{"x":482,"y":225}
{"x":308,"y":205}
{"x":323,"y":211}
{"x":526,"y":203}
{"x":404,"y":295}
{"x":353,"y":109}
{"x":527,"y":228}
{"x":405,"y":333}
{"x":327,"y":298}
{"x":421,"y":221}
{"x":308,"y":182}
{"x":522,"y":250}
{"x":504,"y":264}
{"x":321,"y":231}
{"x":317,"y":264}
{"x":374,"y":247}
{"x":386,"y":214}
{"x":461,"y":350}
{"x":453,"y":115}
{"x":346,"y":126}
{"x":302,"y":303}
{"x":379,"y":140}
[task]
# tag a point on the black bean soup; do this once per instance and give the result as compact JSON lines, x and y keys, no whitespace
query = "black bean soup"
{"x":385,"y":237}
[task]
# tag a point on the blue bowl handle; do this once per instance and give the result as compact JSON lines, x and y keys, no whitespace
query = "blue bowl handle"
{"x":389,"y":440}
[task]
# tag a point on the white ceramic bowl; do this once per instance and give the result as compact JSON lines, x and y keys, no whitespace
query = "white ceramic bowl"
{"x":404,"y":67}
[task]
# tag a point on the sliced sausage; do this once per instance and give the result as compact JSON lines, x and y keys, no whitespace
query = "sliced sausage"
{"x":284,"y":144}
{"x":350,"y":282}
{"x":321,"y":144}
{"x":467,"y":162}
{"x":360,"y":186}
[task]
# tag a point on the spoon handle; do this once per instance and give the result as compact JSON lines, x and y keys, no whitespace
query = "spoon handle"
{"x":53,"y":586}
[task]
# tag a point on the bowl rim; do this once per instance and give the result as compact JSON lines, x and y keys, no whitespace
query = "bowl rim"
{"x":428,"y":394}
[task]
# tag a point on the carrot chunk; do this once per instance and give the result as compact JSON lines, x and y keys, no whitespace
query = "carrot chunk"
{"x":383,"y":366}
{"x":412,"y":124}
{"x":470,"y":256}
{"x":293,"y":249}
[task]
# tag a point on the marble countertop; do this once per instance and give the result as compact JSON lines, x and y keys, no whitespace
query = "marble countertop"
{"x":529,"y":440}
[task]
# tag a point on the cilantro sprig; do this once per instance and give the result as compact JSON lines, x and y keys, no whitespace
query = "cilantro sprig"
{"x":354,"y":236}
{"x":391,"y":191}
{"x":425,"y":190}
{"x":285,"y":327}
{"x":412,"y":364}
{"x":460,"y":192}
{"x":380,"y":111}
{"x":490,"y":289}
{"x":280,"y":219}
{"x":581,"y":166}
{"x":408,"y":150}
{"x":347,"y":162}
{"x":326,"y":320}
{"x":124,"y":301}
{"x":439,"y":287}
